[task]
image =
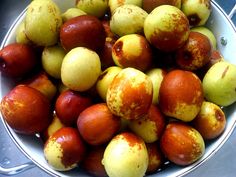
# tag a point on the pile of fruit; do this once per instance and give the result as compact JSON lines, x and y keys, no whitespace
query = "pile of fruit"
{"x":118,"y":87}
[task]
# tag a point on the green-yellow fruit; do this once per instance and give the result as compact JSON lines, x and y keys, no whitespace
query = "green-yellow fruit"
{"x":113,"y":4}
{"x":20,"y":34}
{"x":71,"y":13}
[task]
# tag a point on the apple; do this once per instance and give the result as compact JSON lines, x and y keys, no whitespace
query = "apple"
{"x":150,"y":127}
{"x":71,"y":13}
{"x":16,"y":60}
{"x":128,"y":19}
{"x":196,"y":11}
{"x":80,"y":69}
{"x":182,"y":144}
{"x":211,"y":121}
{"x":126,"y":155}
{"x":69,"y":104}
{"x":219,"y":83}
{"x":26,"y":110}
{"x":97,"y":125}
{"x":195,"y":53}
{"x":114,"y":4}
{"x":166,"y":28}
{"x":83,"y":31}
{"x":132,"y":50}
{"x":105,"y":79}
{"x":181,"y":95}
{"x":64,"y":149}
{"x":149,"y":5}
{"x":130,"y":94}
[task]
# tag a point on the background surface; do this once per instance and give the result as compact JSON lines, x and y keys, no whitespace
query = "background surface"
{"x":223,"y":164}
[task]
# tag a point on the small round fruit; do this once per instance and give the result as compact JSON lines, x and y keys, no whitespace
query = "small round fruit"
{"x":71,"y":13}
{"x":132,"y":50}
{"x":69,"y":105}
{"x":130,"y":94}
{"x":26,"y":110}
{"x":64,"y":149}
{"x":83,"y":31}
{"x":126,"y":155}
{"x":150,"y":5}
{"x":182,"y":144}
{"x":181,"y":95}
{"x":97,"y":125}
{"x":114,"y":4}
{"x":210,"y":121}
{"x":128,"y":19}
{"x":80,"y":69}
{"x":149,"y":127}
{"x":166,"y":28}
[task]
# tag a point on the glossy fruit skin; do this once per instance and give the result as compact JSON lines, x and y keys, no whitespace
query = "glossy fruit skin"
{"x":64,"y":149}
{"x":182,"y":144}
{"x":83,"y":31}
{"x":97,"y":125}
{"x":178,"y":98}
{"x":26,"y":110}
{"x":16,"y":60}
{"x":70,"y":104}
{"x":130,"y":94}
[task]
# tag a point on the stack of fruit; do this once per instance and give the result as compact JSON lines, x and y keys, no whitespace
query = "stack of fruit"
{"x":118,"y":87}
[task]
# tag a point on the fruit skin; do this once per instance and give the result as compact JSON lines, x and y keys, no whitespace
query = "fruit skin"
{"x":126,"y":155}
{"x":210,"y":121}
{"x":196,"y":11}
{"x":21,"y":37}
{"x":16,"y":60}
{"x":64,"y":149}
{"x":132,"y":50}
{"x":42,"y":22}
{"x":71,"y":13}
{"x":80,"y":69}
{"x":178,"y":98}
{"x":83,"y":31}
{"x":128,"y":19}
{"x":70,"y":104}
{"x":160,"y":28}
{"x":149,"y":5}
{"x":26,"y":110}
{"x":182,"y":144}
{"x":130,"y":94}
{"x":114,"y":4}
{"x":149,"y":127}
{"x":195,"y":53}
{"x":97,"y":125}
{"x":219,"y":83}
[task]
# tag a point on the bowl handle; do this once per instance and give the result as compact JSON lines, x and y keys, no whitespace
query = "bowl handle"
{"x":17,"y":169}
{"x":232,"y":12}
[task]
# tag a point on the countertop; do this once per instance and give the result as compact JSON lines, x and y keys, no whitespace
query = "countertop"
{"x":222,"y":164}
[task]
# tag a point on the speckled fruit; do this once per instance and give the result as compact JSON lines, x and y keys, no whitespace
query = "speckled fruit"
{"x":167,"y":28}
{"x":114,"y":4}
{"x":83,"y":31}
{"x":130,"y":94}
{"x":150,"y":127}
{"x":64,"y":149}
{"x":70,"y":104}
{"x":132,"y":50}
{"x":26,"y":110}
{"x":149,"y":5}
{"x":21,"y":37}
{"x":181,"y":95}
{"x":126,"y":155}
{"x":97,"y":125}
{"x":182,"y":144}
{"x":210,"y":121}
{"x":195,"y":53}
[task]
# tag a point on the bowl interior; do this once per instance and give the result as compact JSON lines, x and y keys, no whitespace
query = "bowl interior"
{"x":32,"y":147}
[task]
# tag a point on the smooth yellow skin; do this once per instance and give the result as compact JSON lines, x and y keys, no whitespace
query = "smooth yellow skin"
{"x":156,"y":76}
{"x":103,"y":84}
{"x":55,"y":125}
{"x":80,"y":69}
{"x":207,"y":32}
{"x":127,"y":19}
{"x":42,"y":22}
{"x":97,"y":8}
{"x":200,"y":8}
{"x":71,"y":13}
{"x":20,"y":34}
{"x":219,"y":84}
{"x":52,"y":58}
{"x":113,"y":4}
{"x":123,"y":160}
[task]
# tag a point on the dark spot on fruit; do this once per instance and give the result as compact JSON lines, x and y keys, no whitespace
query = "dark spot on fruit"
{"x":2,"y":63}
{"x":219,"y":115}
{"x":224,"y":72}
{"x":194,"y":19}
{"x":102,"y":75}
{"x":118,"y":48}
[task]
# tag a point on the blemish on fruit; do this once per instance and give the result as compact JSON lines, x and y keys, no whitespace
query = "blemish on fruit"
{"x":224,"y":72}
{"x":194,"y":19}
{"x":219,"y":115}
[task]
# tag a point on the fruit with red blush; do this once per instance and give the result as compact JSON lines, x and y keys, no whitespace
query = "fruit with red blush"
{"x":149,"y":5}
{"x":114,"y":4}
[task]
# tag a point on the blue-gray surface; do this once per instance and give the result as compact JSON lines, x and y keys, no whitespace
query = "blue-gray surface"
{"x":221,"y":165}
